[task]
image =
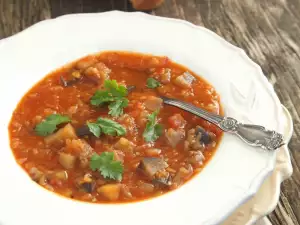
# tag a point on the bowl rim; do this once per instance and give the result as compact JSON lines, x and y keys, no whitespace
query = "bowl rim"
{"x":255,"y":185}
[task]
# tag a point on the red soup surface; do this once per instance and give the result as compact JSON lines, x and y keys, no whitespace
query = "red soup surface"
{"x":97,"y":131}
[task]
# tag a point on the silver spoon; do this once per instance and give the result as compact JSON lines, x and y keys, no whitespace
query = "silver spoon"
{"x":253,"y":135}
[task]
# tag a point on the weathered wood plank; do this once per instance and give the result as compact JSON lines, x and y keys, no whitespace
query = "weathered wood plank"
{"x":268,"y":31}
{"x":16,"y":15}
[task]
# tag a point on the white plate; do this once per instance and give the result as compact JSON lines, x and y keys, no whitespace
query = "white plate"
{"x":266,"y":198}
{"x":233,"y":175}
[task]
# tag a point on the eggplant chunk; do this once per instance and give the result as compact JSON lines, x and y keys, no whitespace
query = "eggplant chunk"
{"x":88,"y":186}
{"x":155,"y":170}
{"x":86,"y":183}
{"x":185,"y":80}
{"x":205,"y":137}
{"x":153,"y":103}
{"x":83,"y":131}
{"x":174,"y":136}
{"x":151,"y":165}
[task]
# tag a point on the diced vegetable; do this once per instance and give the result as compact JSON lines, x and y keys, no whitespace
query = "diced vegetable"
{"x":97,"y":73}
{"x":185,"y":80}
{"x":67,"y":160}
{"x":146,"y":187}
{"x":197,"y":139}
{"x":86,"y":62}
{"x":81,"y":149}
{"x":88,"y":186}
{"x":196,"y":158}
{"x":162,"y":178}
{"x":174,"y":136}
{"x":151,"y":165}
{"x":86,"y":183}
{"x":124,"y":145}
{"x":93,"y":74}
{"x":206,"y":137}
{"x":61,"y":175}
{"x":177,"y":121}
{"x":165,"y":76}
{"x":152,"y":152}
{"x":67,"y":132}
{"x":182,"y":175}
{"x":67,"y":83}
{"x":126,"y":192}
{"x":104,"y":70}
{"x":83,"y":130}
{"x":110,"y":191}
{"x":153,"y":103}
{"x":35,"y":173}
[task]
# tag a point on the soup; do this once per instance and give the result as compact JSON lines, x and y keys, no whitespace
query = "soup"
{"x":97,"y":130}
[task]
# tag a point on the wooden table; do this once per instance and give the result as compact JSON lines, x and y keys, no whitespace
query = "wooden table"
{"x":269,"y":31}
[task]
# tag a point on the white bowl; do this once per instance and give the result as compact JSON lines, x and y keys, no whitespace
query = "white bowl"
{"x":233,"y":175}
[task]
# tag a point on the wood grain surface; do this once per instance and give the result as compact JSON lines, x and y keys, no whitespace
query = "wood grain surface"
{"x":268,"y":30}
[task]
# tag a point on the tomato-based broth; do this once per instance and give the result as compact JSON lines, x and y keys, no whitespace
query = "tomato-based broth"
{"x":97,"y":130}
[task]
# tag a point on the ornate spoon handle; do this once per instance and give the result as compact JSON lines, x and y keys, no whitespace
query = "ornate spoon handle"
{"x":254,"y":135}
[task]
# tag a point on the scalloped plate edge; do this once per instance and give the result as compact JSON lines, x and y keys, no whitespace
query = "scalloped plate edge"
{"x":253,"y":188}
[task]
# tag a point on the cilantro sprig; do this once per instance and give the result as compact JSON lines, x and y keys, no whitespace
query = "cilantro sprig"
{"x":152,"y":83}
{"x":116,"y":107}
{"x":107,"y":166}
{"x":114,"y":95}
{"x":153,"y":130}
{"x":49,"y":124}
{"x":106,"y":126}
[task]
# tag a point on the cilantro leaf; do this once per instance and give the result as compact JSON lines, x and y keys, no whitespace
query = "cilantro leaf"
{"x":107,"y":166}
{"x":94,"y":128}
{"x":114,"y":94}
{"x":111,"y":127}
{"x":49,"y":124}
{"x":101,"y":97}
{"x":153,"y":130}
{"x":115,"y":89}
{"x":116,"y":107}
{"x":152,"y":83}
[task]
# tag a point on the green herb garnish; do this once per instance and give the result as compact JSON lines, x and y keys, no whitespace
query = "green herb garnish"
{"x":49,"y":124}
{"x":106,"y":126}
{"x":115,"y":89}
{"x":107,"y":166}
{"x":152,"y":83}
{"x":114,"y":95}
{"x":94,"y":128}
{"x":116,"y":107}
{"x":153,"y":130}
